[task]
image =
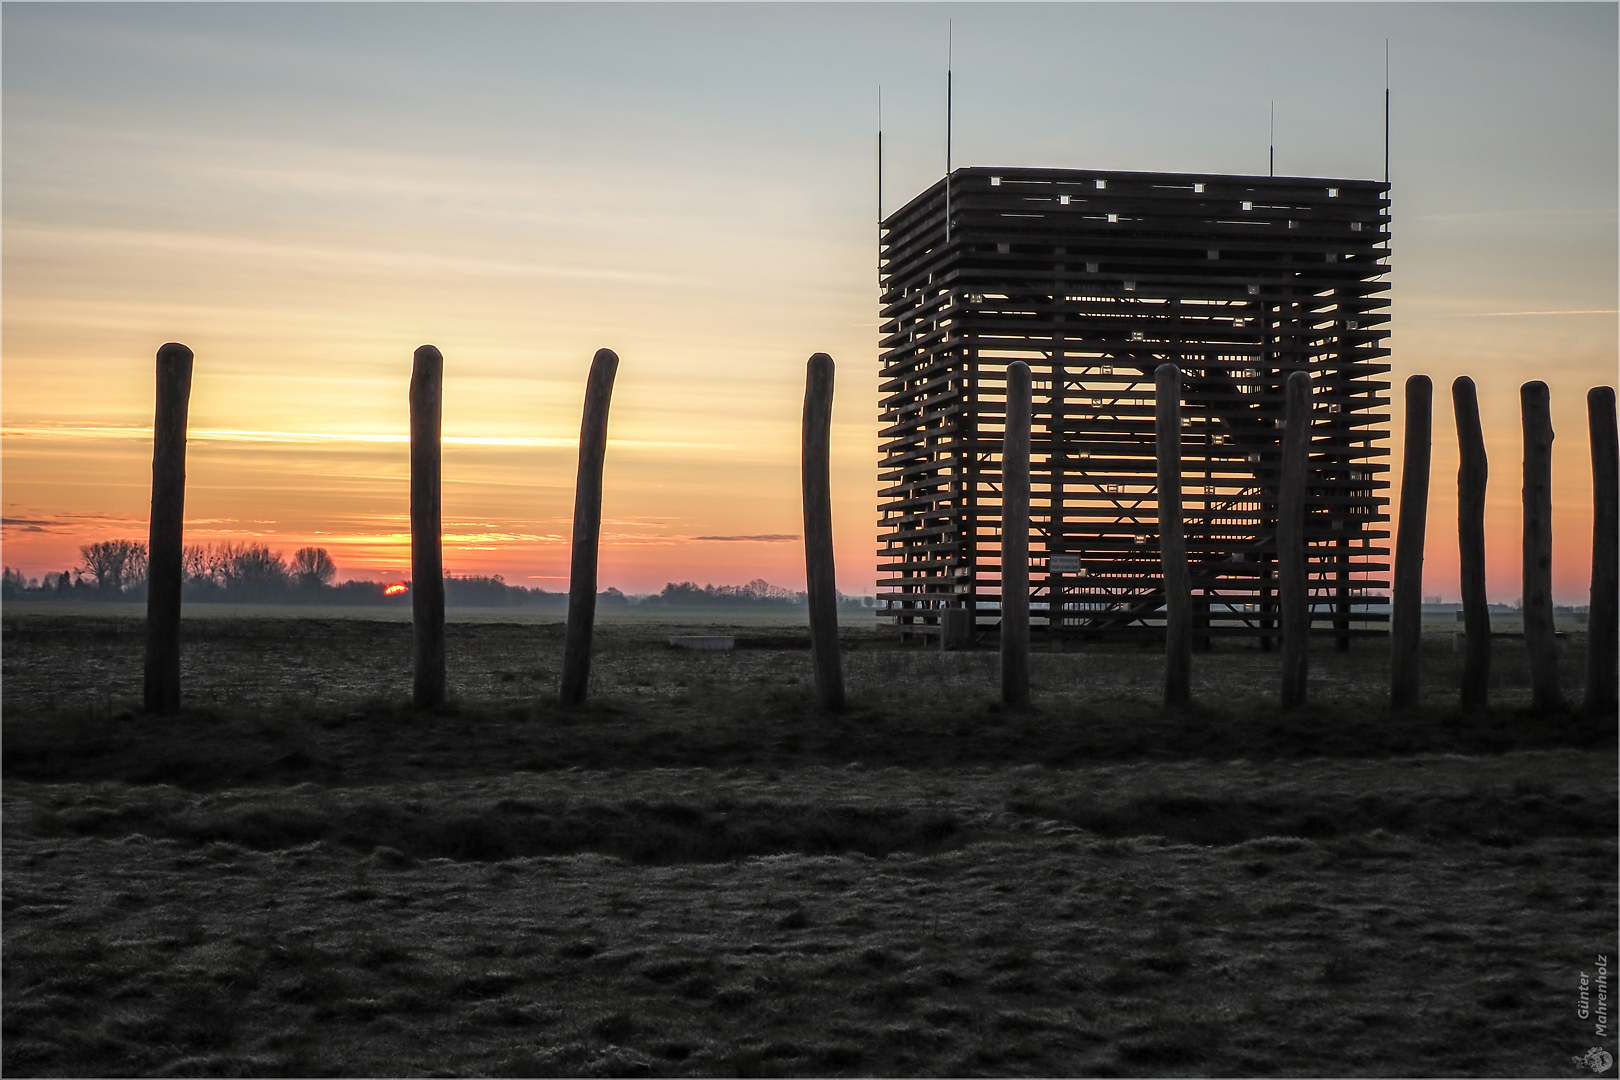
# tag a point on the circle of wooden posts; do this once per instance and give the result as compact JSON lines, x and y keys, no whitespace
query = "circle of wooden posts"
{"x":162,"y":687}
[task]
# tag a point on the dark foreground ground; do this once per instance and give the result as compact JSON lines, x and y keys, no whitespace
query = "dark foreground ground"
{"x":703,"y":874}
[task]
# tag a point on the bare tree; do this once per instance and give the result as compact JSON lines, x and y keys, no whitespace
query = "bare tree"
{"x":114,"y":564}
{"x":313,"y":568}
{"x":251,"y":568}
{"x":196,"y":564}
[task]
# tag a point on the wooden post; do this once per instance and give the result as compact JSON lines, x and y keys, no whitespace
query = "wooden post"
{"x":1173,"y":540}
{"x":1471,"y":476}
{"x":955,"y":628}
{"x":427,"y":557}
{"x":1406,"y":606}
{"x":1539,"y":637}
{"x":1015,"y":539}
{"x":821,"y":582}
{"x":1603,"y":618}
{"x":166,"y":529}
{"x":576,"y":672}
{"x":1293,"y":584}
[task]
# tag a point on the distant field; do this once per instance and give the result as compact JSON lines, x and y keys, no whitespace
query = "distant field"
{"x":700,"y":873}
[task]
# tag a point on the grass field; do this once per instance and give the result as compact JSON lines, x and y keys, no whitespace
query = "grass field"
{"x":701,"y":873}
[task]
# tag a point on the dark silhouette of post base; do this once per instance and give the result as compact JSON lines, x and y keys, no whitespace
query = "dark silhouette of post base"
{"x":427,"y":555}
{"x":576,"y":672}
{"x":1173,"y":540}
{"x":1293,"y":584}
{"x":166,"y":535}
{"x":1539,"y":637}
{"x":956,"y":628}
{"x":1603,"y":618}
{"x":821,"y":581}
{"x":1471,"y":476}
{"x":1406,"y":608}
{"x":1015,"y":540}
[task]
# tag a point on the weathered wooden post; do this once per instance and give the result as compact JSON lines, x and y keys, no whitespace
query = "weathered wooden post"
{"x":427,"y":557}
{"x":1406,"y":605}
{"x":1471,"y":476}
{"x":1173,"y":540}
{"x":166,"y":529}
{"x":821,"y":581}
{"x":576,"y":672}
{"x":1539,"y":637}
{"x":1015,"y":539}
{"x":1293,"y":584}
{"x":1603,"y":618}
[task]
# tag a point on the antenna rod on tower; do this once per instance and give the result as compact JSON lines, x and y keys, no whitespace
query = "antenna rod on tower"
{"x":950,"y":46}
{"x":1386,"y":110}
{"x":880,"y":184}
{"x":1273,"y":171}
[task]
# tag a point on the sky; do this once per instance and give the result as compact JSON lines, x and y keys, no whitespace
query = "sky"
{"x":304,"y":193}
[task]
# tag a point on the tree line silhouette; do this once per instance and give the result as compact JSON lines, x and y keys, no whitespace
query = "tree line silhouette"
{"x":236,"y":573}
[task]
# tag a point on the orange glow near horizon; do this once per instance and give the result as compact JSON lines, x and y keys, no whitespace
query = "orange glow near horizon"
{"x":396,"y":589}
{"x":349,"y":494}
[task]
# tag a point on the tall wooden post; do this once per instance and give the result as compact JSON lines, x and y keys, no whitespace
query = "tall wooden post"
{"x":1471,"y":476}
{"x":1539,"y":637}
{"x":1015,"y":539}
{"x":427,"y":557}
{"x":1173,"y":540}
{"x":1603,"y":618}
{"x":821,"y":582}
{"x":166,"y":530}
{"x":1406,"y":607}
{"x":1293,"y":583}
{"x":576,"y":671}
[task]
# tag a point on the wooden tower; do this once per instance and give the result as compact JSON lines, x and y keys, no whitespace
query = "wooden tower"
{"x":1094,"y":279}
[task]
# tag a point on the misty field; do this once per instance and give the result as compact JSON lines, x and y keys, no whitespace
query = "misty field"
{"x":701,"y":873}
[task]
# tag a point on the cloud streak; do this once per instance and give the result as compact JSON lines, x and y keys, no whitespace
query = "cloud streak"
{"x":1509,"y":314}
{"x":244,"y":435}
{"x":760,"y":538}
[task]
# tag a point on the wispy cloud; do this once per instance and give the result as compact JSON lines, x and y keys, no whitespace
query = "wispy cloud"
{"x":501,"y":537}
{"x":343,"y":259}
{"x":244,"y":435}
{"x":1508,"y":314}
{"x":761,"y":538}
{"x":68,"y":524}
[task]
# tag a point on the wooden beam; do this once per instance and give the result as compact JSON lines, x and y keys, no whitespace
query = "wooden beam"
{"x":1406,"y":609}
{"x":821,"y":581}
{"x":1173,"y":540}
{"x":1292,"y":582}
{"x":1603,"y":618}
{"x":1472,"y":474}
{"x":576,"y":672}
{"x":165,"y":538}
{"x":1539,"y":637}
{"x":427,"y":553}
{"x":1015,"y":541}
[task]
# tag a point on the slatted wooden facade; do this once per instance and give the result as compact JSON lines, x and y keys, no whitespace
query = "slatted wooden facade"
{"x":1094,"y":279}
